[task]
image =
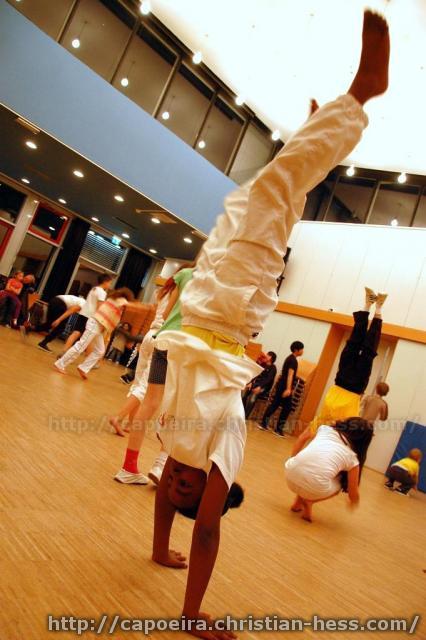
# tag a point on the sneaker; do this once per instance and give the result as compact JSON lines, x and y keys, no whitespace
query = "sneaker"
{"x":261,"y":427}
{"x":279,"y":434}
{"x":124,"y":379}
{"x":380,"y":299}
{"x":23,"y":330}
{"x":389,"y":485}
{"x":44,"y":347}
{"x":126,"y":477}
{"x":401,"y":491}
{"x":370,"y":296}
{"x":155,"y":473}
{"x":58,"y":368}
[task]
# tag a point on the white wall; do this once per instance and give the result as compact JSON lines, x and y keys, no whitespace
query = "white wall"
{"x":407,"y":401}
{"x":331,"y":263}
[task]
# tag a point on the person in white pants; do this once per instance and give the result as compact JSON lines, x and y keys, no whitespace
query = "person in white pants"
{"x":226,"y":304}
{"x":105,"y":319}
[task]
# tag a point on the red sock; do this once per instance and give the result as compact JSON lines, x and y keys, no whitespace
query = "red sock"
{"x":131,"y":461}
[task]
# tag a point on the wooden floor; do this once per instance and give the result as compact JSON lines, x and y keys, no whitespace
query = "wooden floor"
{"x":73,"y":542}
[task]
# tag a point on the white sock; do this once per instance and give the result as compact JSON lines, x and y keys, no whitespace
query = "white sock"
{"x":378,"y":312}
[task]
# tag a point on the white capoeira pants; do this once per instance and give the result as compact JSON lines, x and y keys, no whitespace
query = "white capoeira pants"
{"x":139,"y":386}
{"x":233,"y":289}
{"x":93,"y":335}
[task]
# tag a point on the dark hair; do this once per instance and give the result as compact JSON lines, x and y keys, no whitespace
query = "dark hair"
{"x":124,"y":292}
{"x":170,"y":284}
{"x":105,"y":277}
{"x":128,"y":324}
{"x":233,"y":501}
{"x":382,"y":389}
{"x":357,"y":433}
{"x":296,"y":346}
{"x":273,"y":356}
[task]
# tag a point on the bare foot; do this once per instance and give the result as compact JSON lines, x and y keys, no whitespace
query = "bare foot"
{"x":314,"y":106}
{"x":115,"y":422}
{"x":307,"y":511}
{"x":297,"y":505}
{"x":83,"y":374}
{"x":371,"y":78}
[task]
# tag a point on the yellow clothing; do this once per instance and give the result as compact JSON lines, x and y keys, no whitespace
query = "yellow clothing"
{"x":339,"y":404}
{"x":216,"y":340}
{"x":410,"y":465}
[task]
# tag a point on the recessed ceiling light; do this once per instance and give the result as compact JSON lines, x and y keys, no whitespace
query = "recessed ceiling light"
{"x":31,"y":144}
{"x":197,"y":57}
{"x":155,"y":220}
{"x":239,"y":101}
{"x":350,"y":171}
{"x":202,"y":144}
{"x":64,"y":218}
{"x":25,"y":180}
{"x":153,"y":250}
{"x":125,"y":235}
{"x":75,"y":43}
{"x":165,"y":115}
{"x":119,"y":198}
{"x":92,"y":233}
{"x":394,"y":222}
{"x":275,"y":135}
{"x":187,"y":240}
{"x":402,"y":178}
{"x":145,"y":7}
{"x":95,"y":219}
{"x":52,"y":228}
{"x":35,"y":201}
{"x":124,"y":82}
{"x":78,"y":173}
{"x":62,"y":201}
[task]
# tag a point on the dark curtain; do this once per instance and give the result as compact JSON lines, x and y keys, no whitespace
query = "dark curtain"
{"x":63,"y":268}
{"x":134,"y":268}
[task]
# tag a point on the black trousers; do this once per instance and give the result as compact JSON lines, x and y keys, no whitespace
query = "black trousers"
{"x":278,"y":401}
{"x":398,"y":474}
{"x":356,"y":359}
{"x":250,"y":399}
{"x":55,"y":309}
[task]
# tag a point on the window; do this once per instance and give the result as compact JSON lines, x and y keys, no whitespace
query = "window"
{"x":420,"y":219}
{"x":351,"y":200}
{"x":317,"y":201}
{"x":220,"y":134}
{"x":102,"y":251}
{"x":47,"y":15}
{"x":144,"y":70}
{"x":186,"y":104}
{"x":394,"y":202}
{"x":33,"y":257}
{"x":253,"y":154}
{"x":11,"y":202}
{"x":48,"y":224}
{"x":5,"y":233}
{"x":102,"y":30}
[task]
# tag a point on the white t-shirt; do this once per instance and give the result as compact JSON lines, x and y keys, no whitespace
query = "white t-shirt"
{"x":314,"y":470}
{"x":97,"y":294}
{"x":204,"y":417}
{"x":72,"y":301}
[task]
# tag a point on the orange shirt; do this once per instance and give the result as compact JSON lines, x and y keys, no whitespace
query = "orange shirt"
{"x":14,"y":285}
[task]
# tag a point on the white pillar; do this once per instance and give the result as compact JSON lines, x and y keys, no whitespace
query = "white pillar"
{"x":16,"y":239}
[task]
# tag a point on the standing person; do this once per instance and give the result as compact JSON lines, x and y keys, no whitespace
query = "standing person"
{"x":374,"y":407}
{"x":59,"y":310}
{"x":405,"y":472}
{"x":10,"y":294}
{"x":95,"y":297}
{"x":28,"y":287}
{"x":332,"y":461}
{"x":343,"y":399}
{"x":223,"y":307}
{"x":144,"y":399}
{"x":104,"y":321}
{"x":261,"y":384}
{"x":284,"y":390}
